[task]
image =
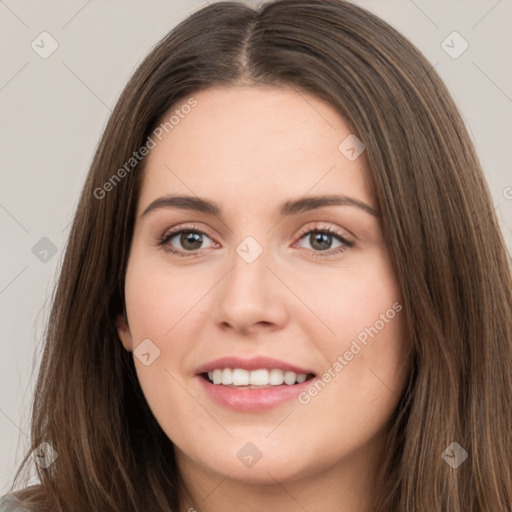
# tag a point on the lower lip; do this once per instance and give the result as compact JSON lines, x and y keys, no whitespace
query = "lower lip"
{"x":252,"y":399}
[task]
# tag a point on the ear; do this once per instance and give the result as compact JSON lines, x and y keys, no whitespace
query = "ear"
{"x":123,"y":331}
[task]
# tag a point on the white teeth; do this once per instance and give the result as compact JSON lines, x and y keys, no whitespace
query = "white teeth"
{"x":290,"y":377}
{"x":276,"y":377}
{"x":217,"y":376}
{"x":261,"y":377}
{"x":258,"y":377}
{"x":240,"y":377}
{"x":227,"y":377}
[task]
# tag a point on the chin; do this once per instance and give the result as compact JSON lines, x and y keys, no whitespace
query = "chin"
{"x":244,"y":462}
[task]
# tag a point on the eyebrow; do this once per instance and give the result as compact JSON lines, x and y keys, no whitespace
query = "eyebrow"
{"x":291,"y":207}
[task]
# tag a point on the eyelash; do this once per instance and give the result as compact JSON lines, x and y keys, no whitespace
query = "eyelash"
{"x":166,"y":237}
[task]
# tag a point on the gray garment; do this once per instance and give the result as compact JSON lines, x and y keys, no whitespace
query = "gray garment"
{"x":9,"y":503}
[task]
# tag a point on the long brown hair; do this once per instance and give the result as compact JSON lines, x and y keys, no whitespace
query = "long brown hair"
{"x":439,"y":225}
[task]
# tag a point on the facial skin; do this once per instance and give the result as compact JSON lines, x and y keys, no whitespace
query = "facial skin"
{"x":249,"y":150}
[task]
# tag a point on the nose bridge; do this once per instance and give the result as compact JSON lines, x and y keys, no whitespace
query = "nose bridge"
{"x":250,"y":292}
{"x":249,"y":277}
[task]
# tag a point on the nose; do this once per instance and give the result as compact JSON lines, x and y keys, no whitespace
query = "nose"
{"x":250,"y":298}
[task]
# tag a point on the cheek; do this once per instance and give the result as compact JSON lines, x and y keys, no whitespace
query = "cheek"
{"x":158,"y":298}
{"x":353,"y":297}
{"x":367,"y":388}
{"x":366,"y":353}
{"x":158,"y":305}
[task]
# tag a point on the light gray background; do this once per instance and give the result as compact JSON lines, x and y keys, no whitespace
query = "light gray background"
{"x":54,"y":110}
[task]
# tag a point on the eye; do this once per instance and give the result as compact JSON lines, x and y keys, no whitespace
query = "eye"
{"x":321,"y":240}
{"x":190,"y":239}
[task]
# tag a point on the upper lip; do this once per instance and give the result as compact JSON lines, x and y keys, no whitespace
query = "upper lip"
{"x":254,"y":363}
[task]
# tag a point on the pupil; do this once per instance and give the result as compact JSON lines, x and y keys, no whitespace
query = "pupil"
{"x":321,"y":237}
{"x":189,"y":237}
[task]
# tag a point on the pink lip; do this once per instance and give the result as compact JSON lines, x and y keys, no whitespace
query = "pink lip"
{"x":249,"y":400}
{"x":254,"y":363}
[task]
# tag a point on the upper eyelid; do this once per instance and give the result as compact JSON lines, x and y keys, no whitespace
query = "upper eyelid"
{"x":177,"y":229}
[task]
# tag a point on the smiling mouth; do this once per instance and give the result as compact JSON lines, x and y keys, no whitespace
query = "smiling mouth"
{"x":239,"y":378}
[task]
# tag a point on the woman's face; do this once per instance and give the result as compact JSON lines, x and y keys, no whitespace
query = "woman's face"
{"x":257,"y":291}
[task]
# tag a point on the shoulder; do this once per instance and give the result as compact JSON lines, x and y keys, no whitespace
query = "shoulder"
{"x":19,"y":501}
{"x":9,"y":503}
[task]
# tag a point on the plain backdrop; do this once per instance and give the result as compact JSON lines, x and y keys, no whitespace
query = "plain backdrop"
{"x":54,"y":109}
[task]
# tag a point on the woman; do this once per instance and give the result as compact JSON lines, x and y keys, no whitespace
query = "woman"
{"x":251,"y":371}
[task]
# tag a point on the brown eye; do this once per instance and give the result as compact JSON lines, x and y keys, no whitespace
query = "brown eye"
{"x":321,"y":241}
{"x":183,"y":241}
{"x":190,"y":240}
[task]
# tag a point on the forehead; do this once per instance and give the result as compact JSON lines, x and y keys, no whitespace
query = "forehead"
{"x":252,"y":143}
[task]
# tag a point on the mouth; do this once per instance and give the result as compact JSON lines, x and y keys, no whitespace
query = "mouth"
{"x":252,"y":385}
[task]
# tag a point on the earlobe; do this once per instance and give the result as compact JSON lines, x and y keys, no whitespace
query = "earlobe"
{"x":123,"y":331}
